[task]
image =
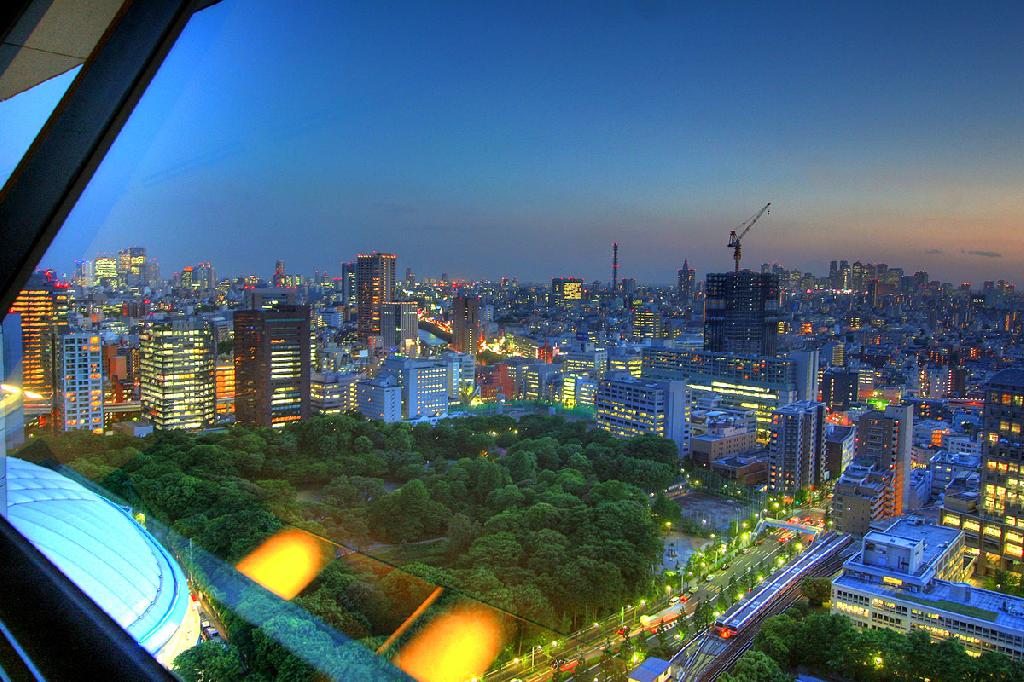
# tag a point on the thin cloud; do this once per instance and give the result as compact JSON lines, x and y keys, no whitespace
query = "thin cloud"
{"x":982,"y":254}
{"x":935,"y":252}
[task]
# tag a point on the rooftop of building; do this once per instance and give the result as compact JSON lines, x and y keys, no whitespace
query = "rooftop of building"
{"x":986,"y":606}
{"x":963,"y":459}
{"x":627,"y":378}
{"x":800,"y":406}
{"x":837,"y":433}
{"x":102,"y":549}
{"x":650,"y":670}
{"x":1008,"y":377}
{"x":742,"y":459}
{"x":910,"y":532}
{"x":859,"y":470}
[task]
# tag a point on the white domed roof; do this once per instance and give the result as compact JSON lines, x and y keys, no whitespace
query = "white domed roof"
{"x":99,"y":546}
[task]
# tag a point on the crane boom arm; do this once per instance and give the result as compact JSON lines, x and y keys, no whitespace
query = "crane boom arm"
{"x":749,"y":223}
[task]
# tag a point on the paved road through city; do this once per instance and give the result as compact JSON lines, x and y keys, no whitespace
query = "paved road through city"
{"x":589,"y":643}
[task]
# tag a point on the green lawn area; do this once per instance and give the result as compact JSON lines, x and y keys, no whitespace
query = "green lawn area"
{"x":962,"y":609}
{"x":433,"y":553}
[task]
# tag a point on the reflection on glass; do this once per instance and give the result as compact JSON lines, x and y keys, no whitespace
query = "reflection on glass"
{"x":522,"y":465}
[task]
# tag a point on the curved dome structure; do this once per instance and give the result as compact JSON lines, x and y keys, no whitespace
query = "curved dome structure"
{"x":113,"y":559}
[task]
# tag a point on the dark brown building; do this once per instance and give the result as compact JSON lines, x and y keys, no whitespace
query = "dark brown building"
{"x":272,"y":365}
{"x":466,"y":324}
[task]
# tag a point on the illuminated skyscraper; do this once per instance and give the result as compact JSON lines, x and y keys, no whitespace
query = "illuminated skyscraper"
{"x":43,"y":307}
{"x":797,"y":447}
{"x":646,"y":324}
{"x":994,"y":531}
{"x":566,"y":291}
{"x":399,"y":327}
{"x":224,"y":387}
{"x":876,"y":484}
{"x":280,"y":276}
{"x":466,"y":324}
{"x":104,"y":270}
{"x":333,"y":392}
{"x":80,"y":372}
{"x":886,"y":437}
{"x":272,"y":365}
{"x":738,"y":381}
{"x":131,"y":266}
{"x":741,"y":312}
{"x":375,"y":285}
{"x":84,"y":274}
{"x":839,"y":388}
{"x":177,"y":373}
{"x":348,"y":283}
{"x":203,"y":278}
{"x":687,"y":281}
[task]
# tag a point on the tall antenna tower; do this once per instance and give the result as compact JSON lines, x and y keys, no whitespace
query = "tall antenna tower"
{"x":615,"y":266}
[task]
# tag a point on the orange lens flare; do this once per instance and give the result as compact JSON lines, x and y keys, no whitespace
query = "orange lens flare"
{"x":454,"y":647}
{"x":286,"y":562}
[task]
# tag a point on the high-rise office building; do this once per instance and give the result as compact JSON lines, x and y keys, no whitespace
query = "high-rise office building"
{"x":268,"y":298}
{"x":626,"y":406}
{"x":741,"y":312}
{"x":796,"y":451}
{"x":806,"y":363}
{"x":646,"y":324}
{"x":272,"y":365}
{"x":466,"y":324}
{"x":280,"y":275}
{"x":333,"y":392}
{"x":104,"y":270}
{"x":736,"y":381}
{"x":687,"y":281}
{"x":399,"y":327}
{"x":424,"y":385}
{"x":131,"y":266}
{"x":80,"y":379}
{"x":224,"y":387}
{"x":348,"y":283}
{"x":876,"y":484}
{"x":375,"y":286}
{"x":461,"y":374}
{"x":887,"y":437}
{"x":839,"y":388}
{"x":380,"y":398}
{"x":84,"y":274}
{"x":43,"y":307}
{"x":203,"y":277}
{"x":995,"y":529}
{"x":590,"y":361}
{"x":566,"y":291}
{"x":176,"y":360}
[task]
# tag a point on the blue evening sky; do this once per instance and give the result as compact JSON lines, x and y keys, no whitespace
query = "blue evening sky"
{"x":498,"y":138}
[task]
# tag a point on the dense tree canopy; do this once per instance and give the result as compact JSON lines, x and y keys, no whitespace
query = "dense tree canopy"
{"x":546,"y":519}
{"x":832,"y":646}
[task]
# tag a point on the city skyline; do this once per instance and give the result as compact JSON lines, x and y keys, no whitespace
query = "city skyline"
{"x":66,"y":272}
{"x":639,"y":124}
{"x":606,"y":340}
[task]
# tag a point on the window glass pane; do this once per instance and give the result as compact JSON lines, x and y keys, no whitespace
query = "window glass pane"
{"x":394,"y":341}
{"x":23,"y":115}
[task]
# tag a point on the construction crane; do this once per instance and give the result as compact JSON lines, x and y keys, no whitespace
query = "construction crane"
{"x":742,"y":229}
